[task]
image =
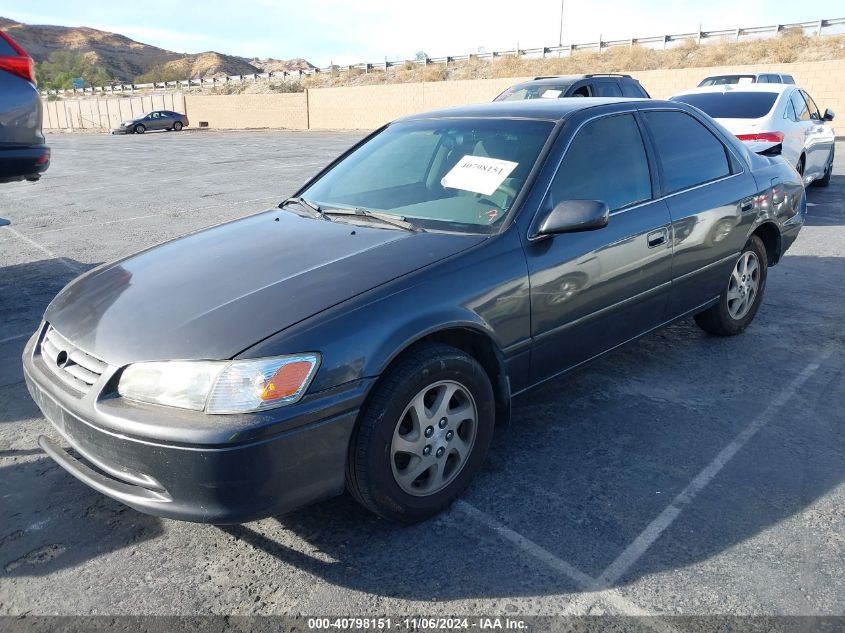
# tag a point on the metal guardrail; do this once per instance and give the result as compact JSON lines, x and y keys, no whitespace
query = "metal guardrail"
{"x":815,"y":27}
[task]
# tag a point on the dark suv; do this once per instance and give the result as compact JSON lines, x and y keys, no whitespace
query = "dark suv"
{"x":23,"y":154}
{"x":595,"y":85}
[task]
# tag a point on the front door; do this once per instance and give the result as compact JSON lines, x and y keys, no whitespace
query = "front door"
{"x":593,"y":290}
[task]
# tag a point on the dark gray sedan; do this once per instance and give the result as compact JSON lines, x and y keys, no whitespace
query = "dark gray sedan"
{"x":371,"y":332}
{"x":23,"y":153}
{"x":158,"y":120}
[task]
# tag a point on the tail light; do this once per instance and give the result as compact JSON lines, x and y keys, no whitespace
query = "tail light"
{"x":763,"y":137}
{"x":20,"y":64}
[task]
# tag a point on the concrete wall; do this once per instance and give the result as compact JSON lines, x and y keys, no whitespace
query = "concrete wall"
{"x":238,"y":112}
{"x":105,"y":113}
{"x":368,"y":107}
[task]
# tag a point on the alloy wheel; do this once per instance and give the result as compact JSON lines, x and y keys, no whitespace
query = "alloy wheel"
{"x":743,"y":285}
{"x":433,"y":438}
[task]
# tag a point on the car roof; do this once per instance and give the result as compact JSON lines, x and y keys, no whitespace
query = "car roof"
{"x":559,"y":80}
{"x":547,"y":109}
{"x":779,"y":88}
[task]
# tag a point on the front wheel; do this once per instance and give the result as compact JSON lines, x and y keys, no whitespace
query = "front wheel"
{"x":742,"y":295}
{"x":424,"y":434}
{"x":824,"y":181}
{"x":140,"y":129}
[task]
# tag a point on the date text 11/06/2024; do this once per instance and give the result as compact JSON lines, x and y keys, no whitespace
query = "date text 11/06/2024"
{"x":416,"y":624}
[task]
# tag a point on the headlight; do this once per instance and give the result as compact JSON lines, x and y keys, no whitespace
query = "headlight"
{"x":237,"y":386}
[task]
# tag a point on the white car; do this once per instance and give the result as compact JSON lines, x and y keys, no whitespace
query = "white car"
{"x":773,"y":119}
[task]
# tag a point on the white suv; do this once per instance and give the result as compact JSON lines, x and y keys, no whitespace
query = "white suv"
{"x":773,"y":119}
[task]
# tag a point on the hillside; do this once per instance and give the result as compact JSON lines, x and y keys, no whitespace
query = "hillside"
{"x":125,"y":59}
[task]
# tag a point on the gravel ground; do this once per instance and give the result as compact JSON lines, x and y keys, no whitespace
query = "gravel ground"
{"x":685,"y":474}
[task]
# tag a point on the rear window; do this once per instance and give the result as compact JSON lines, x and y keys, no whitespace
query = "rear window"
{"x":732,"y":105}
{"x":6,"y":49}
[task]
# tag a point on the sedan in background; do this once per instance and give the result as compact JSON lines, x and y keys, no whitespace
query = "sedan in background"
{"x":158,"y":120}
{"x":773,"y":119}
{"x":371,"y":331}
{"x":749,"y":78}
{"x":23,"y":153}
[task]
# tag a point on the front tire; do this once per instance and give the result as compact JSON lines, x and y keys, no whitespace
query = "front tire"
{"x":743,"y":293}
{"x":423,"y":436}
{"x":139,"y":129}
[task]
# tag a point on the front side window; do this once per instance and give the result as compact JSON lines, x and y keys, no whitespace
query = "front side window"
{"x":606,"y":161}
{"x":688,"y":152}
{"x":450,"y":174}
{"x":814,"y":109}
{"x":607,"y":89}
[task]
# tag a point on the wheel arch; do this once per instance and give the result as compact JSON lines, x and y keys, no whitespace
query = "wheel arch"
{"x":769,"y":234}
{"x":477,"y":343}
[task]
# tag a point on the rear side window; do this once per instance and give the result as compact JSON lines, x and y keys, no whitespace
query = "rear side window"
{"x":607,"y":89}
{"x":802,"y":112}
{"x":687,"y":151}
{"x":605,"y":161}
{"x":732,"y":105}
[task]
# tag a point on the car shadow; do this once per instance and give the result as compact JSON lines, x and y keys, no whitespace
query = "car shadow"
{"x":825,"y":204}
{"x":51,"y":520}
{"x":591,"y":459}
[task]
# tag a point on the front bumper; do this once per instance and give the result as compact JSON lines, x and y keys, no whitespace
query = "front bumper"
{"x":23,"y":162}
{"x":295,"y":458}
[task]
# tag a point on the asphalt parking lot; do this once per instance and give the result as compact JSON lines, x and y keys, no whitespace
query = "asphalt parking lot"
{"x":685,"y":474}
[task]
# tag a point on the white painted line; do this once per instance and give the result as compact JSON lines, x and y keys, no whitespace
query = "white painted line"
{"x":527,"y":545}
{"x":71,"y":266}
{"x":83,"y":226}
{"x":659,"y":525}
{"x":15,"y":337}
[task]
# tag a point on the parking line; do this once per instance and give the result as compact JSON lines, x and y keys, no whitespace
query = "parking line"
{"x":16,"y":337}
{"x":659,"y":525}
{"x":71,"y":266}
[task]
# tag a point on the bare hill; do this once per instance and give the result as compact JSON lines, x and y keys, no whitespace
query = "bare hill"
{"x":125,"y":58}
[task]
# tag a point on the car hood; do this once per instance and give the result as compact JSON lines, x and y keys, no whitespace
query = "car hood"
{"x":214,"y":293}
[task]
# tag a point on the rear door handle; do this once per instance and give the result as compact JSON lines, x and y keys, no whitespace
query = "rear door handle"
{"x":656,"y":238}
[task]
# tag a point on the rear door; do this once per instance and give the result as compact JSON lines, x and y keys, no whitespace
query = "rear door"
{"x":710,"y":194}
{"x":593,"y":290}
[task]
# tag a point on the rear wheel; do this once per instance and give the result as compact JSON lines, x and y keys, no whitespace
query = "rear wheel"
{"x":140,"y":129}
{"x":741,"y":298}
{"x":423,"y":436}
{"x":177,"y":126}
{"x":824,"y":181}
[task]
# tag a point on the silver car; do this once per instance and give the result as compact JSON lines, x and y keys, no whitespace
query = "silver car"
{"x":773,"y":119}
{"x":157,"y":120}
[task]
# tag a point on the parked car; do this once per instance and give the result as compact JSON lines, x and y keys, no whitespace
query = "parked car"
{"x":23,"y":152}
{"x":774,"y":119}
{"x":371,"y":331}
{"x":595,"y":85}
{"x":158,"y":120}
{"x":747,"y":78}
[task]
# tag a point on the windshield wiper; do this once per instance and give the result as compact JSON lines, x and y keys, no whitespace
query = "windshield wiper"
{"x":302,"y":202}
{"x":387,"y":218}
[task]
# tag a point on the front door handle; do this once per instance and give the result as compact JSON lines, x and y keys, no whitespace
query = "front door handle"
{"x":656,"y":238}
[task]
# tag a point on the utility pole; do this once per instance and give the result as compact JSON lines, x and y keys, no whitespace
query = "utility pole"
{"x":560,"y":36}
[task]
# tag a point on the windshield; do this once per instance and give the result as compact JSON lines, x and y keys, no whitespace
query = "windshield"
{"x":458,"y":174}
{"x":732,"y":105}
{"x":534,"y":91}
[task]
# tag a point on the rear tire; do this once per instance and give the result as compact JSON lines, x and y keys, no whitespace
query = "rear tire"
{"x":743,"y":293}
{"x":139,"y":129}
{"x":423,"y":436}
{"x":824,"y":181}
{"x":177,"y":127}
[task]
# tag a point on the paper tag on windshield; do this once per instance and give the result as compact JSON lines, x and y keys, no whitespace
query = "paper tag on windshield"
{"x":551,"y":94}
{"x":478,"y":174}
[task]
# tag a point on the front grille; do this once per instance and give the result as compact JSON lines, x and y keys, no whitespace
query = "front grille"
{"x":70,"y":364}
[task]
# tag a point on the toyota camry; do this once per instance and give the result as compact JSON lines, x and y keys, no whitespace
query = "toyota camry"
{"x":370,"y":333}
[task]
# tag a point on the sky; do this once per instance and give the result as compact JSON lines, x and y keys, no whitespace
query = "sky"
{"x":350,"y":31}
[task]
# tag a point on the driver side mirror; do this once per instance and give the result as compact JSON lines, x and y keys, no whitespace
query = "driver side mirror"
{"x":571,"y":216}
{"x":828,"y":115}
